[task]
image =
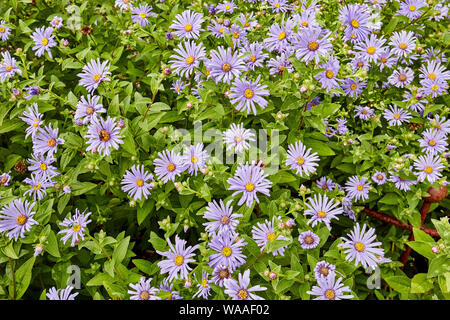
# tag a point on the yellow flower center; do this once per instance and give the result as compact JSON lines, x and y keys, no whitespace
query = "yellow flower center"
{"x":247,"y":24}
{"x":435,"y":87}
{"x":142,"y":15}
{"x":432,"y":143}
{"x":194,"y":159}
{"x":76,"y":227}
{"x":428,"y":169}
{"x":51,"y":142}
{"x":242,"y":294}
{"x":360,"y":64}
{"x":321,"y":214}
{"x":271,"y":236}
{"x":43,"y":166}
{"x":383,"y":59}
{"x":96,"y":77}
{"x":236,"y":35}
{"x":3,"y":181}
{"x":305,"y":24}
{"x":379,"y":177}
{"x":397,"y":116}
{"x":281,"y":36}
{"x":36,"y":123}
{"x":104,"y":135}
{"x":44,"y":41}
{"x":144,"y":295}
{"x":37,"y":187}
{"x":226,"y":252}
{"x":309,"y":240}
{"x":224,"y":273}
{"x":329,"y":74}
{"x":21,"y":220}
{"x":364,"y":111}
{"x":300,"y":161}
{"x":359,"y":246}
{"x":227,"y":7}
{"x":90,"y":110}
{"x":2,"y":30}
{"x":360,"y":187}
{"x":431,"y":76}
{"x":371,"y":50}
{"x":252,"y":58}
{"x":238,"y":139}
{"x":354,"y":23}
{"x":139,"y":182}
{"x":412,"y":8}
{"x":226,"y":67}
{"x":313,"y":45}
{"x":9,"y":68}
{"x":249,"y":187}
{"x":221,"y":30}
{"x":204,"y":282}
{"x":277,"y":5}
{"x":190,"y":60}
{"x":188,"y":27}
{"x":324,"y":271}
{"x":171,"y":167}
{"x":225,"y":220}
{"x":248,"y":93}
{"x":178,"y":260}
{"x":402,"y":78}
{"x":353,"y":86}
{"x":324,"y":187}
{"x":403,"y":46}
{"x":330,"y":294}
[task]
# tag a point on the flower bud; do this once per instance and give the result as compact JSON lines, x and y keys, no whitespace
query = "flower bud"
{"x":272,"y":275}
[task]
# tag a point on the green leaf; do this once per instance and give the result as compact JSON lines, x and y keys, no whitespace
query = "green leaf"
{"x":23,"y":277}
{"x":52,"y":245}
{"x":420,"y":283}
{"x":121,"y":250}
{"x":390,"y":198}
{"x":9,"y":251}
{"x":318,"y":146}
{"x":143,"y":212}
{"x":158,"y":243}
{"x":79,"y":188}
{"x":146,"y":266}
{"x":401,"y":284}
{"x":438,"y":266}
{"x":424,"y":248}
{"x":99,"y":278}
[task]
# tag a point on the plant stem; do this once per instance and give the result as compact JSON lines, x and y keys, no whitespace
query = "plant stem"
{"x":13,"y":278}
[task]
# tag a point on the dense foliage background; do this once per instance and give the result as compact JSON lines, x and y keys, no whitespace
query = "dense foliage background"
{"x":123,"y":236}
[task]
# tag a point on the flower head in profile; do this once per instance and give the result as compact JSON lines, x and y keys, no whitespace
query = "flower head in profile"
{"x":47,"y":141}
{"x":43,"y":41}
{"x":302,"y":159}
{"x":222,"y":216}
{"x":237,"y":137}
{"x":93,"y":74}
{"x":239,"y":290}
{"x":103,"y":135}
{"x":61,"y":294}
{"x":169,"y":165}
{"x":322,"y":209}
{"x":361,"y":248}
{"x":143,"y":290}
{"x":178,"y":258}
{"x":166,"y":286}
{"x":17,"y":218}
{"x":141,"y":13}
{"x":135,"y":182}
{"x":188,"y":25}
{"x":248,"y":180}
{"x":75,"y":227}
{"x":34,"y":119}
{"x":246,"y":94}
{"x":330,"y":289}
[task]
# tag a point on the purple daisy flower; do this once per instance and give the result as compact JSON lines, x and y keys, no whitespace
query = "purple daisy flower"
{"x":140,"y":14}
{"x":441,"y":124}
{"x":278,"y":6}
{"x":429,"y":168}
{"x":247,"y":22}
{"x":371,"y":48}
{"x":178,"y":258}
{"x":308,"y":240}
{"x":226,"y":7}
{"x":279,"y":64}
{"x":263,"y":233}
{"x":123,"y":4}
{"x":387,"y":59}
{"x":323,"y":270}
{"x":248,"y":180}
{"x":411,"y":8}
{"x":322,"y":210}
{"x":75,"y":227}
{"x":41,"y":166}
{"x":34,"y":119}
{"x":279,"y":37}
{"x":47,"y":141}
{"x":403,"y":43}
{"x":188,"y":57}
{"x":31,"y":92}
{"x":239,"y":290}
{"x":433,"y":141}
{"x":43,"y":41}
{"x":188,"y":25}
{"x":203,"y":288}
{"x":434,"y":70}
{"x":302,"y":159}
{"x":178,"y":86}
{"x":17,"y":218}
{"x":328,"y":78}
{"x":168,"y":287}
{"x":401,"y":77}
{"x":61,"y":294}
{"x":135,"y":182}
{"x":5,"y":178}
{"x":229,"y":251}
{"x":169,"y":165}
{"x":310,"y":47}
{"x":224,"y":220}
{"x":57,"y":22}
{"x":353,"y":88}
{"x":225,"y":65}
{"x":326,"y":184}
{"x":238,"y":36}
{"x":364,"y":113}
{"x":379,"y":178}
{"x":237,"y":137}
{"x":396,"y":116}
{"x":245,"y":93}
{"x":4,"y":31}
{"x":357,"y":188}
{"x":330,"y":289}
{"x":434,"y":87}
{"x":93,"y":74}
{"x":255,"y":56}
{"x":359,"y":62}
{"x":143,"y":290}
{"x":360,"y":247}
{"x":401,"y":183}
{"x":8,"y":67}
{"x":356,"y":19}
{"x":102,"y":135}
{"x":195,"y":158}
{"x":218,"y":30}
{"x":221,"y":273}
{"x":88,"y":108}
